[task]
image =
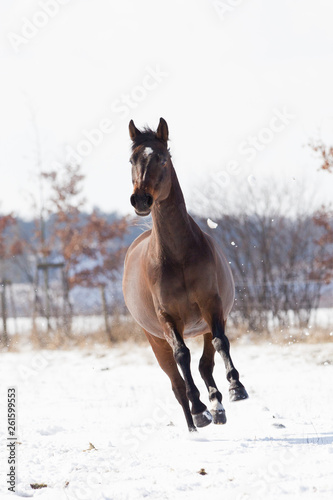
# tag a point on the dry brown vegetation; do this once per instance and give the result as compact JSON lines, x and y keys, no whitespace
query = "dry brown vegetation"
{"x":127,"y":331}
{"x":122,"y":331}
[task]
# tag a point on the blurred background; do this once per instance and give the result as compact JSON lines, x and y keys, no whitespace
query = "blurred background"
{"x":245,"y":87}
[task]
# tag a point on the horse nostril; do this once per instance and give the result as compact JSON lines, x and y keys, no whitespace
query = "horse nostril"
{"x":149,"y":200}
{"x":141,"y":201}
{"x":132,"y":200}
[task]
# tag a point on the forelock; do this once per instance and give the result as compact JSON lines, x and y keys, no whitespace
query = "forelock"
{"x":146,"y":137}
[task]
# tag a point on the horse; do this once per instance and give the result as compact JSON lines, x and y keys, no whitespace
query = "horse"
{"x":177,"y":283}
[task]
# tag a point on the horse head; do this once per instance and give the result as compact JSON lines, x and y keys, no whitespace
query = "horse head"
{"x":151,"y":167}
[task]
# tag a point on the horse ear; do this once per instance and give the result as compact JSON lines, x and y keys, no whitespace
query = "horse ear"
{"x":133,"y":131}
{"x":162,"y":130}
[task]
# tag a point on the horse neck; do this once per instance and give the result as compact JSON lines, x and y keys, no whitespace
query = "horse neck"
{"x":172,"y":232}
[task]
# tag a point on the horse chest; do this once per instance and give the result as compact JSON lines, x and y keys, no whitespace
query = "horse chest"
{"x":176,"y":283}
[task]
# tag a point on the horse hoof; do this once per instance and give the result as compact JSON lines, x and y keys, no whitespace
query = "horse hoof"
{"x":238,"y":393}
{"x":218,"y":414}
{"x":202,"y":419}
{"x":219,"y":417}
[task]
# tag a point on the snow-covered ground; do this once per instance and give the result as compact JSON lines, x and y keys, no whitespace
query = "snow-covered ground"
{"x":278,"y":444}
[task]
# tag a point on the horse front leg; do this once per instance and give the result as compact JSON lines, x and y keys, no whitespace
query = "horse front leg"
{"x":182,"y":356}
{"x":165,"y":358}
{"x":221,"y":344}
{"x":212,"y":312}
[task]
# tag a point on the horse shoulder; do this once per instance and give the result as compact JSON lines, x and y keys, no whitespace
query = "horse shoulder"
{"x":142,"y":237}
{"x":218,"y":253}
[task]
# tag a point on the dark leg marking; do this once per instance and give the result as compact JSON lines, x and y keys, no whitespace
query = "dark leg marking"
{"x":221,"y":344}
{"x":201,"y":415}
{"x":165,"y":358}
{"x":206,"y":366}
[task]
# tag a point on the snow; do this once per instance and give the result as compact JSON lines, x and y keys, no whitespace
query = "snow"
{"x":211,"y":224}
{"x":277,"y":444}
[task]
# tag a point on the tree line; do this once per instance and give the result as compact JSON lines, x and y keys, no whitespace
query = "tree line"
{"x":281,"y":259}
{"x":63,"y":242}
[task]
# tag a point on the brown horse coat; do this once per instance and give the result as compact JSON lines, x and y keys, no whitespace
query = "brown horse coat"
{"x":188,"y":299}
{"x":177,"y":282}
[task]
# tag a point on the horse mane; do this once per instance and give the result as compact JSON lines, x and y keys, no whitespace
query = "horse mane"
{"x":146,"y":135}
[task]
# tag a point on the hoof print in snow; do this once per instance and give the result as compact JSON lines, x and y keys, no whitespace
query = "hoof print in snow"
{"x":202,"y":472}
{"x":38,"y":486}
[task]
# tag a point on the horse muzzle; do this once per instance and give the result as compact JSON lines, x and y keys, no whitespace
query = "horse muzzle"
{"x":142,"y":203}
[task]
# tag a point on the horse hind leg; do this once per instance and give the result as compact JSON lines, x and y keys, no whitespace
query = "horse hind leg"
{"x":206,"y":366}
{"x":165,"y":358}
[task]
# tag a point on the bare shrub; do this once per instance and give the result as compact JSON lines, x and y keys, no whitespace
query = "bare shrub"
{"x":269,"y":239}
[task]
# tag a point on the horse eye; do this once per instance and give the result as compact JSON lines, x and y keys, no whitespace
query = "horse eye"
{"x":161,"y":159}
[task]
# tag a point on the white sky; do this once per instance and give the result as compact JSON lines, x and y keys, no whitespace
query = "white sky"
{"x":226,"y":77}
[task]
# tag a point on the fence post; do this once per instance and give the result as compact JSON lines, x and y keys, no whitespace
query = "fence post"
{"x":105,"y":312}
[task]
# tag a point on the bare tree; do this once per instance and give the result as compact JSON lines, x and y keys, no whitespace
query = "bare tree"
{"x":89,"y":246}
{"x":102,"y":257}
{"x":324,"y":217}
{"x":272,"y":254}
{"x":64,"y":207}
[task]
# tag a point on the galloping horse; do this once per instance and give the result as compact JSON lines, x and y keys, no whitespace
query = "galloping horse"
{"x":177,"y":283}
